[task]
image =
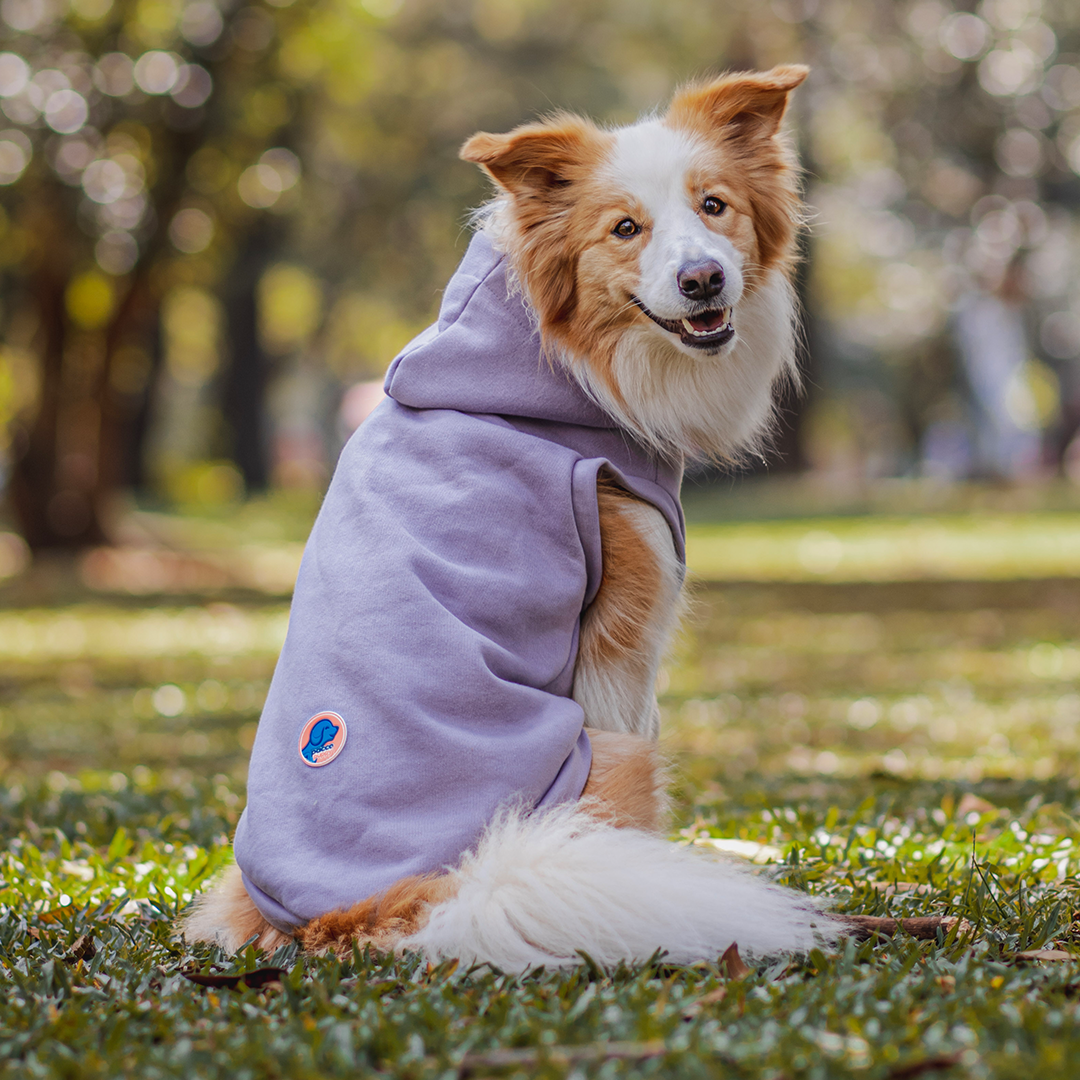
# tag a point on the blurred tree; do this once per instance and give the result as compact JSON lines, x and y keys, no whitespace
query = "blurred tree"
{"x":926,"y":126}
{"x":945,"y":154}
{"x":293,"y":167}
{"x":149,"y":139}
{"x":144,"y":150}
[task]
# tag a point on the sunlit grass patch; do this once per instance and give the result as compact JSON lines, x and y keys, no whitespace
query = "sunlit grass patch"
{"x":764,"y":683}
{"x":72,"y":874}
{"x":102,"y":633}
{"x":95,"y":684}
{"x":92,"y":971}
{"x":892,"y":750}
{"x":949,"y":547}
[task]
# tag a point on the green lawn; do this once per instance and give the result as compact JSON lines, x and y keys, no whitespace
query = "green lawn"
{"x":961,"y":547}
{"x":900,"y":746}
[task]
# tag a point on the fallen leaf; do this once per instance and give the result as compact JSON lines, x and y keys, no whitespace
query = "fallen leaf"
{"x":82,"y":948}
{"x":53,"y":914}
{"x":731,"y":963}
{"x":1044,"y":954}
{"x":258,"y":977}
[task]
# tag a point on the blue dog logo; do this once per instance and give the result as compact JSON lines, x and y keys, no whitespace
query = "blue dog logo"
{"x":322,"y":739}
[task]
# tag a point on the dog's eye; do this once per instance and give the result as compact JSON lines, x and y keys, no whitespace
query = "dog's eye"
{"x":714,"y":206}
{"x":627,"y":227}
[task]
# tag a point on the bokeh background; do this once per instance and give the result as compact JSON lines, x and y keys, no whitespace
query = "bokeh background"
{"x":218,"y":223}
{"x":220,"y":219}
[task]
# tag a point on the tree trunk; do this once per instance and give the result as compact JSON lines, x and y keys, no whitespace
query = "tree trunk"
{"x":69,"y":460}
{"x":246,"y":376}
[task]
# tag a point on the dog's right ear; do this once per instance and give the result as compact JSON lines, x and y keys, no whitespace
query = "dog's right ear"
{"x":538,"y":159}
{"x":742,"y":105}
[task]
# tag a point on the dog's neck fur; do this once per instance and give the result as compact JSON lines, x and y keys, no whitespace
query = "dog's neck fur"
{"x":719,"y":408}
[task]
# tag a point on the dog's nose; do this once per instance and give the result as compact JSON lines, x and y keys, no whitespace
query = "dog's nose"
{"x":700,"y":280}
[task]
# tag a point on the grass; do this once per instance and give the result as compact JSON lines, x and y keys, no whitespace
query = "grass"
{"x":897,"y":747}
{"x":948,"y":547}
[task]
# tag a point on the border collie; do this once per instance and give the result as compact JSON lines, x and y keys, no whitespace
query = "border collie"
{"x":458,"y":750}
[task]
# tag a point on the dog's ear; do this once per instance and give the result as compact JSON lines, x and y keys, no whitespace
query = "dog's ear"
{"x":537,"y":159}
{"x":747,"y":106}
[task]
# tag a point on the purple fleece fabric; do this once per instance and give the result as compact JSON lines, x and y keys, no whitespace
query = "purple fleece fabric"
{"x":437,"y":611}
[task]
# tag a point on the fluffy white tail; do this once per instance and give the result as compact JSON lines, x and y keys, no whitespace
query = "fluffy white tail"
{"x":537,"y":889}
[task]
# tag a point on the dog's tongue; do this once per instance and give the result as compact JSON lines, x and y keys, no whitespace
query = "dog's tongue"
{"x":708,"y":320}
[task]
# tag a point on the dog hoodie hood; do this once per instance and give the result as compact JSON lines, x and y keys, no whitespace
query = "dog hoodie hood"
{"x":437,"y":613}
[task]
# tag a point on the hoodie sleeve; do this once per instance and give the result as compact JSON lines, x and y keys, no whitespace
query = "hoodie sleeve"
{"x":437,"y":614}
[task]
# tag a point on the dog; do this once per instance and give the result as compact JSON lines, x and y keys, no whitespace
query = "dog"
{"x":458,"y":752}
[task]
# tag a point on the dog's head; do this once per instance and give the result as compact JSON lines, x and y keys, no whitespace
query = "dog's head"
{"x":652,"y":238}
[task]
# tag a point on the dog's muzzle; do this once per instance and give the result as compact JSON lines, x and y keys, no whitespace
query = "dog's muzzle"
{"x":706,"y":330}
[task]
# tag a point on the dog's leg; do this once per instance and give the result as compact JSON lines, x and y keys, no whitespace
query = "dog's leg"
{"x":627,"y":784}
{"x":380,"y":921}
{"x":627,"y":626}
{"x":224,"y":915}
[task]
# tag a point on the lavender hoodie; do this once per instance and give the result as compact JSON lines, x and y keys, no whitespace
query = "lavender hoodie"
{"x":437,"y":613}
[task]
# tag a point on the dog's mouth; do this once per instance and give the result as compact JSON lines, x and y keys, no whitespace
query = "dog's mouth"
{"x":706,"y":330}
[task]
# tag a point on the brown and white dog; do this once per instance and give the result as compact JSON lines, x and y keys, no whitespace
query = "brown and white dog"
{"x":657,"y":260}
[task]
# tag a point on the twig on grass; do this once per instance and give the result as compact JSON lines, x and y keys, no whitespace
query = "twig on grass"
{"x":925,"y":928}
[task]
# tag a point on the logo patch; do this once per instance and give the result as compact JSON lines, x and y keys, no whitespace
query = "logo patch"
{"x":322,"y":739}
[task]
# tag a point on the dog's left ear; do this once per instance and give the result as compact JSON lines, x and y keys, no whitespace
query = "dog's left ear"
{"x":749,"y":106}
{"x":537,"y":159}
